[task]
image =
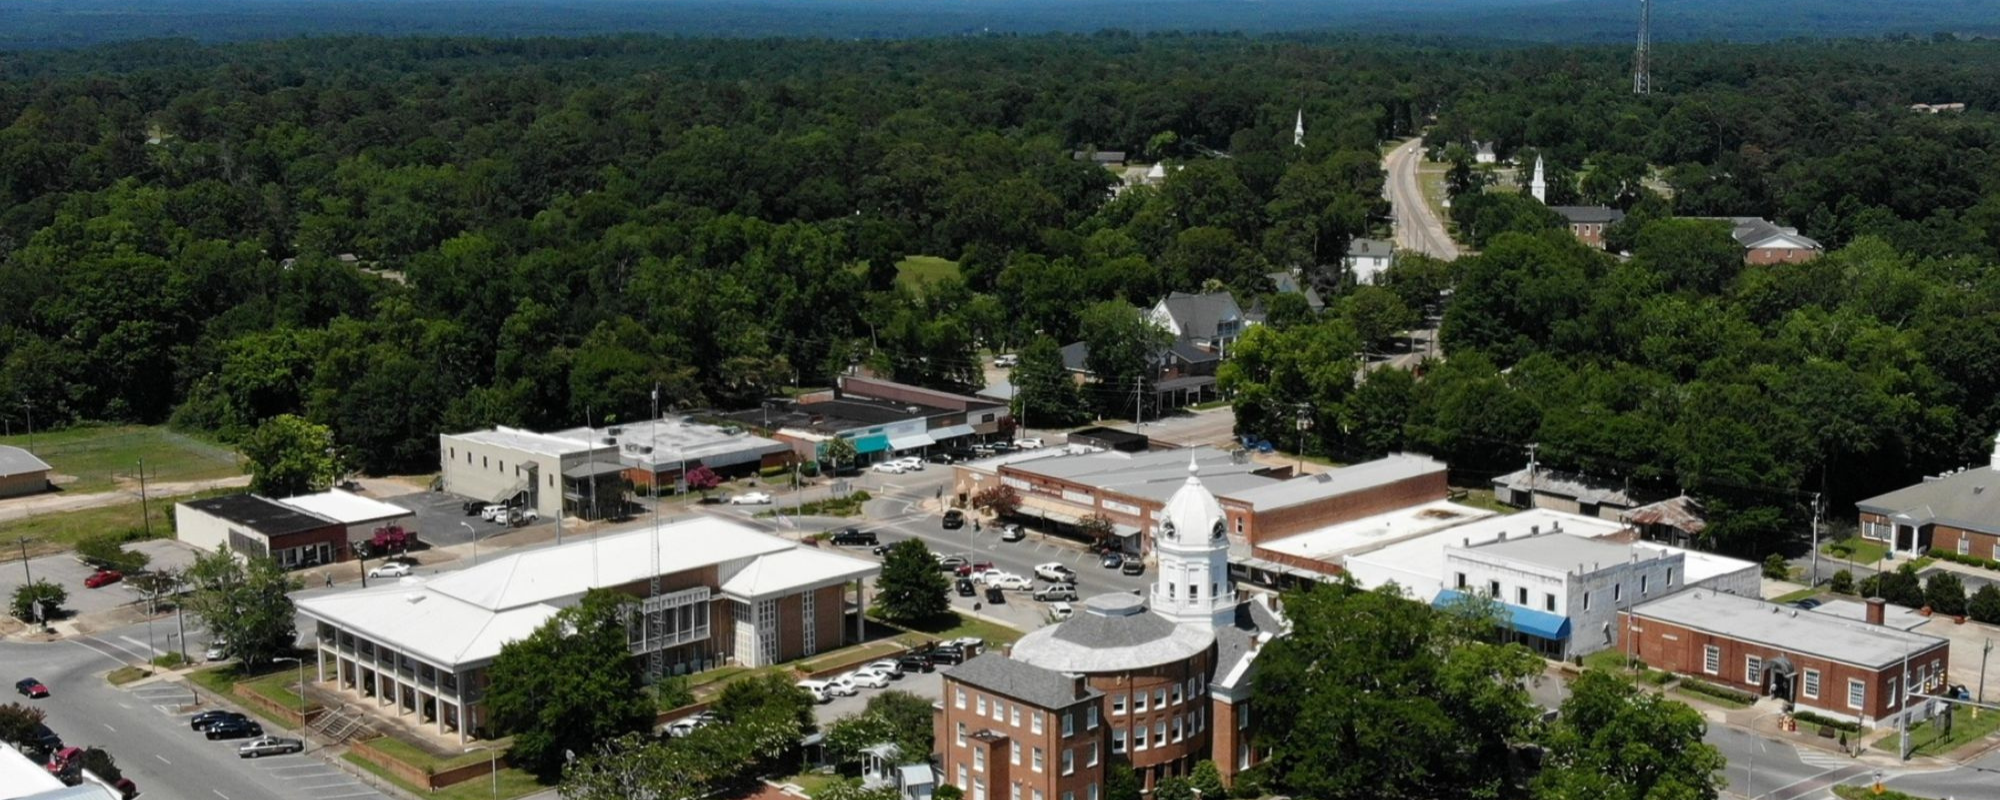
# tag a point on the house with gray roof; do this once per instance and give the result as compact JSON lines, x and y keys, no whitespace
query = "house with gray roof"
{"x":1957,"y":512}
{"x":1367,"y":259}
{"x":1766,"y":242}
{"x":21,"y":472}
{"x":1211,"y":321}
{"x":1587,"y":223}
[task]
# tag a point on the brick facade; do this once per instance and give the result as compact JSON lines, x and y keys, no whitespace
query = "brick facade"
{"x":1590,"y":233}
{"x":1778,"y":255}
{"x":1278,"y":523}
{"x":1978,"y":544}
{"x":998,"y":749}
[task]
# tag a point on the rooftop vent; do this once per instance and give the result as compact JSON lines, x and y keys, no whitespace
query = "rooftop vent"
{"x":647,"y":449}
{"x":414,"y":598}
{"x":614,"y":430}
{"x":1324,"y":477}
{"x":610,"y":440}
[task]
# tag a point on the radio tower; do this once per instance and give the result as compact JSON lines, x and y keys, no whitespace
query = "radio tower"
{"x":1642,"y":78}
{"x":654,"y":620}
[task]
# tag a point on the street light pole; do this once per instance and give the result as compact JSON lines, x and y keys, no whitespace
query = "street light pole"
{"x":492,"y":765}
{"x":302,"y":697}
{"x":475,"y":542}
{"x":1983,"y":653}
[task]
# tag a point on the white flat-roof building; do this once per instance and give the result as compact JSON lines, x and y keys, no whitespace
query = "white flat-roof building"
{"x":1562,"y":592}
{"x":729,"y":594}
{"x":1416,"y":561}
{"x":362,"y":516}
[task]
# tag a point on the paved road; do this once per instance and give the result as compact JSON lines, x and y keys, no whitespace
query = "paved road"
{"x":1417,"y":228}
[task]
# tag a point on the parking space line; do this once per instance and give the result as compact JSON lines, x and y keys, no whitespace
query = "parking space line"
{"x":325,"y":785}
{"x":163,"y":759}
{"x":108,"y":727}
{"x":363,"y":793}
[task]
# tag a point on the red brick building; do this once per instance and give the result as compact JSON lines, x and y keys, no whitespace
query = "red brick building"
{"x":1957,"y":512}
{"x":1837,"y":667}
{"x":1160,"y":682}
{"x":1587,"y":223}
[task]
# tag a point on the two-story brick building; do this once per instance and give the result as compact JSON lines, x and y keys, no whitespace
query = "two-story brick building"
{"x":1841,"y":668}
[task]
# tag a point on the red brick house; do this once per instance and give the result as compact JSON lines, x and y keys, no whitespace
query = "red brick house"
{"x":1957,"y":512}
{"x":1587,"y":223}
{"x":1765,"y":242}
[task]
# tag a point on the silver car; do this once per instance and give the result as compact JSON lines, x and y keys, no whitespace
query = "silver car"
{"x":269,"y":746}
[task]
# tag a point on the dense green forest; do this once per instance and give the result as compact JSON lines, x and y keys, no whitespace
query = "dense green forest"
{"x":543,"y":229}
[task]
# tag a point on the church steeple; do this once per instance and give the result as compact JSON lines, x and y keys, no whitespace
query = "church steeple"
{"x":1192,"y":543}
{"x":1299,"y":130}
{"x":1540,"y":186}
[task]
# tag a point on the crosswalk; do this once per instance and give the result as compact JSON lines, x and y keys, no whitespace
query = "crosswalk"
{"x":1821,"y":758}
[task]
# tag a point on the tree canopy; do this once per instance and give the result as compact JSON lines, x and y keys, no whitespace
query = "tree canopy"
{"x":569,"y":686}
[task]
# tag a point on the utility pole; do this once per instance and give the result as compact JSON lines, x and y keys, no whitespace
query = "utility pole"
{"x":1532,"y":447}
{"x":1903,"y":717}
{"x":24,"y":560}
{"x":1815,"y":542}
{"x":145,"y":516}
{"x":1642,"y":68}
{"x":31,"y":423}
{"x":1983,"y":653}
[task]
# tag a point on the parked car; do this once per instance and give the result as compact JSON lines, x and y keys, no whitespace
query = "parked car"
{"x":66,"y":762}
{"x":472,"y":507}
{"x":947,"y":654}
{"x":204,"y":719}
{"x":887,"y":666}
{"x":911,"y":463}
{"x":493,"y":513}
{"x":269,"y":746}
{"x":853,"y":536}
{"x":841,"y":687}
{"x":942,"y":458}
{"x":750,"y":499}
{"x":126,"y":788}
{"x":393,"y":569}
{"x":31,"y":687}
{"x":974,"y":569}
{"x":972,"y":645}
{"x":523,"y":516}
{"x":1014,"y":533}
{"x":1111,"y":561}
{"x":1060,"y":611}
{"x":1806,"y":604}
{"x":1061,"y":591}
{"x":891,"y":468}
{"x":951,"y":563}
{"x":820,"y":693}
{"x":1028,"y":444}
{"x":965,"y":587}
{"x":102,"y":578}
{"x":681,"y":727}
{"x":1008,"y":581}
{"x":1006,"y":360}
{"x":954,"y":519}
{"x":915,"y":662}
{"x":46,"y":740}
{"x":217,"y":650}
{"x":882,"y":549}
{"x":867,"y":678}
{"x":1133,"y":566}
{"x":995,"y":596}
{"x":233,"y":728}
{"x":1054,"y":572}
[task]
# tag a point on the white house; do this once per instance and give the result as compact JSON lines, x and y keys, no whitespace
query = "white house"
{"x":1367,"y":259}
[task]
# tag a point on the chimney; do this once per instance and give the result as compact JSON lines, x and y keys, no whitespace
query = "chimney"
{"x":1503,"y":536}
{"x":1875,"y":606}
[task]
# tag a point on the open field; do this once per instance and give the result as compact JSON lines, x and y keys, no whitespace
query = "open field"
{"x":102,"y":458}
{"x":915,"y":271}
{"x":59,"y":531}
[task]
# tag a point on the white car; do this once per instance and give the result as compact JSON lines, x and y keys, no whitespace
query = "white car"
{"x":911,"y":463}
{"x":1055,"y":572}
{"x":750,"y":499}
{"x":1004,"y":580}
{"x":493,"y":513}
{"x":393,"y":569}
{"x":867,"y":678}
{"x":217,"y":650}
{"x":841,"y":687}
{"x":1006,"y":360}
{"x":1060,"y":611}
{"x":523,"y":516}
{"x":891,"y":468}
{"x":1027,"y":444}
{"x":820,"y":691}
{"x":888,"y":667}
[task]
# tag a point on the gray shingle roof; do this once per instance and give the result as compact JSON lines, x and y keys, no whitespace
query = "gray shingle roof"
{"x":1044,"y":688}
{"x":1198,"y":315}
{"x":1967,"y":499}
{"x":1287,"y":283}
{"x":1076,"y":356}
{"x":1588,"y":214}
{"x":1371,"y":247}
{"x":16,"y":461}
{"x":1114,"y":620}
{"x":1757,"y":231}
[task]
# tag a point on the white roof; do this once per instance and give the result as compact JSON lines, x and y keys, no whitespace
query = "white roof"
{"x":16,"y":461}
{"x":1334,"y":542}
{"x":463,"y":618}
{"x":1340,"y":481}
{"x":526,"y":441}
{"x":1701,"y":566}
{"x":1751,"y":619}
{"x":346,"y":507}
{"x":1902,"y":618}
{"x":795,"y":570}
{"x":20,"y":776}
{"x":675,"y":439}
{"x":1417,"y":563}
{"x":1557,"y":550}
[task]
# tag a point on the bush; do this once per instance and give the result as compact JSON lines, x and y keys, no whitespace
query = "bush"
{"x":1985,"y":605}
{"x":1828,"y":722}
{"x":1946,"y":594}
{"x":1842,"y":582}
{"x":50,"y":595}
{"x":1776,"y":567}
{"x":107,"y":551}
{"x":1720,"y":692}
{"x":774,"y":471}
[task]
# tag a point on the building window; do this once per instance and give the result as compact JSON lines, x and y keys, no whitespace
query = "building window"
{"x":1035,"y":721}
{"x":1036,"y":757}
{"x":1242,"y":755}
{"x":1242,"y":716}
{"x":1118,"y":705}
{"x":1521,"y":596}
{"x":1670,"y":577}
{"x":1015,"y":793}
{"x":1857,"y":693}
{"x":808,"y":617}
{"x":1091,"y":759}
{"x":1586,"y":601}
{"x":1890,"y":700}
{"x":1139,"y":702}
{"x":1180,"y":732}
{"x":1038,"y":794}
{"x":1014,"y":753}
{"x":1493,"y":589}
{"x":1068,"y":762}
{"x":1160,"y":732}
{"x":1617,"y":592}
{"x":978,"y":789}
{"x":982,"y":705}
{"x":1753,"y":670}
{"x":1014,"y":716}
{"x":1159,"y":698}
{"x":961,"y":735}
{"x":1117,"y":741}
{"x":959,"y":695}
{"x":1643,"y":581}
{"x":1069,"y":725}
{"x":1069,"y":796}
{"x":962,"y":781}
{"x":1711,"y":659}
{"x":1964,"y":545}
{"x":1460,"y":578}
{"x":979,"y":759}
{"x":1090,"y":792}
{"x":1811,"y":687}
{"x":1138,"y":737}
{"x":1177,"y":694}
{"x":1090,"y":718}
{"x":1548,"y":601}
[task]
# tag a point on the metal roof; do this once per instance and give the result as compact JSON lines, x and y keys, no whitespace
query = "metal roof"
{"x":1566,"y":484}
{"x":1113,"y":633}
{"x":1588,"y":214}
{"x":1199,"y":315}
{"x":1786,"y":628}
{"x":1371,"y":247}
{"x":1336,"y":482}
{"x":1042,"y":688}
{"x":668,"y":441}
{"x":16,"y":461}
{"x":346,"y":507}
{"x":526,"y":441}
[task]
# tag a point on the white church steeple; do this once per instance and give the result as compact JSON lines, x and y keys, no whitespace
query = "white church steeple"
{"x":1192,"y":543}
{"x":1540,"y":186}
{"x":1299,"y":130}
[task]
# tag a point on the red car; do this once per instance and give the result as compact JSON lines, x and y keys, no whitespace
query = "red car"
{"x":970,"y":570}
{"x":31,"y":687}
{"x":104,"y":577}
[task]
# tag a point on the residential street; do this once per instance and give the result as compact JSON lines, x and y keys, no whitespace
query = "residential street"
{"x":1417,"y":228}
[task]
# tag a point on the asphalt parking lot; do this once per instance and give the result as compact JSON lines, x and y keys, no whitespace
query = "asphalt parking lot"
{"x":66,"y":571}
{"x":927,"y":685}
{"x":441,"y":518}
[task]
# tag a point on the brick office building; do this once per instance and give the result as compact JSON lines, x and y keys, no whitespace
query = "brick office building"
{"x":1957,"y":512}
{"x":1841,"y":668}
{"x":1158,"y":682}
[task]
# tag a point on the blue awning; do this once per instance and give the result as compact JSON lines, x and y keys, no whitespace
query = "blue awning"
{"x":1526,"y":620}
{"x":870,"y":444}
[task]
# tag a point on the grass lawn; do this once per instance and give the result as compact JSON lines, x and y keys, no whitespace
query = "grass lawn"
{"x":1855,"y":549}
{"x":54,"y":533}
{"x":513,"y":782}
{"x":915,"y":271}
{"x":1790,"y":597}
{"x":811,"y":782}
{"x":1709,"y":699}
{"x":125,"y":675}
{"x":1483,"y":498}
{"x":411,"y":754}
{"x":1845,"y":792}
{"x":100,"y":455}
{"x":277,"y":688}
{"x":1605,"y":660}
{"x":1927,"y":738}
{"x":1210,"y":404}
{"x":967,"y":626}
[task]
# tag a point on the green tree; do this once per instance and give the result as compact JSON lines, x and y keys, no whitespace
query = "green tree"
{"x":1044,"y":390}
{"x":1207,"y":780}
{"x":911,"y":589}
{"x":851,"y":789}
{"x":774,"y":694}
{"x":21,"y":725}
{"x":1173,"y":788}
{"x":1777,"y":567}
{"x":838,"y":452}
{"x":1945,"y":593}
{"x":244,"y":601}
{"x":1378,"y":316}
{"x":107,"y":551}
{"x":1842,"y":582}
{"x":946,"y":791}
{"x":1985,"y":605}
{"x":1363,"y":675}
{"x":997,"y":500}
{"x":38,"y":601}
{"x":1125,"y":347}
{"x":1120,"y":782}
{"x":569,"y":686}
{"x":848,"y":739}
{"x":909,"y":718}
{"x":1616,"y":742}
{"x":290,"y":456}
{"x":1698,"y":255}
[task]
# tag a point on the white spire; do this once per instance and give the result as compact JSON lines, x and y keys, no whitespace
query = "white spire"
{"x":1299,"y":130}
{"x":1540,"y":186}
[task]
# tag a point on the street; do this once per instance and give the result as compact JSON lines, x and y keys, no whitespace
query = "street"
{"x":1417,"y":228}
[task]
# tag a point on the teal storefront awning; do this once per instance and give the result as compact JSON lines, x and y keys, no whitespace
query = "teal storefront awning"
{"x":1526,"y":620}
{"x":870,"y":444}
